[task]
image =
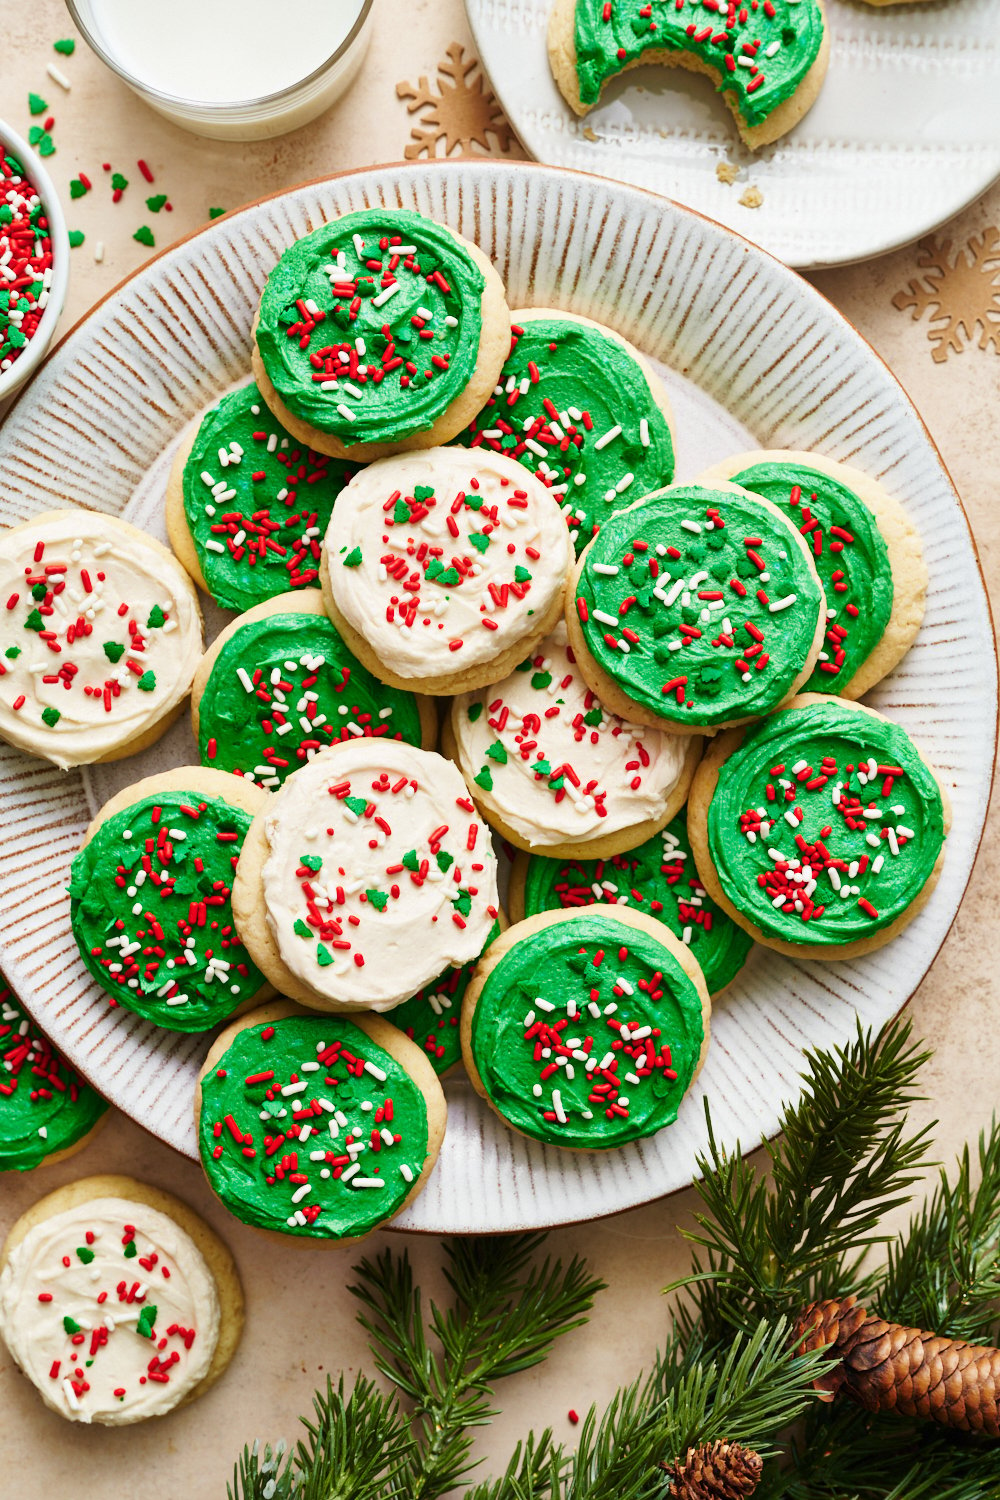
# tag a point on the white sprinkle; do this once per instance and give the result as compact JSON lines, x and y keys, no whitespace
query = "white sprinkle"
{"x":691,"y":526}
{"x":345,"y":411}
{"x":557,"y":1105}
{"x":390,"y":291}
{"x":406,"y":1173}
{"x":365,"y":1182}
{"x":301,"y":1192}
{"x":609,"y":437}
{"x":58,"y":76}
{"x":644,"y":432}
{"x":609,"y":570}
{"x":780,"y":604}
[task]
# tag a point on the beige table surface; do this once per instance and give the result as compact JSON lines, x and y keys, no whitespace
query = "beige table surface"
{"x":300,"y":1321}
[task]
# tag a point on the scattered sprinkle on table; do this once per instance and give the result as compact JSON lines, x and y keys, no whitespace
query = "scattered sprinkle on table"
{"x":76,"y":238}
{"x":36,"y":104}
{"x":67,"y":46}
{"x":144,"y":235}
{"x":215,"y":213}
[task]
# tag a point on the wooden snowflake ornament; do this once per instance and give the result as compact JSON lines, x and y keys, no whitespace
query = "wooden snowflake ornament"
{"x":961,"y":293}
{"x":459,"y":111}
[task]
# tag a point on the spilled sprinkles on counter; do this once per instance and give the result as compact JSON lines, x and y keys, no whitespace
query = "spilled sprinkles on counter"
{"x":25,"y":259}
{"x":575,"y":407}
{"x":110,"y":1310}
{"x":702,"y":605}
{"x":285,"y":686}
{"x":256,"y":501}
{"x":587,"y":1033}
{"x":151,"y":913}
{"x":309,"y":1128}
{"x":45,"y":1106}
{"x":825,"y":824}
{"x":658,"y":878}
{"x":380,"y":875}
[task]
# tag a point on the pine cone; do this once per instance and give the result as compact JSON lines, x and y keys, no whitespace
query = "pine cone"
{"x":888,"y":1368}
{"x":715,"y":1471}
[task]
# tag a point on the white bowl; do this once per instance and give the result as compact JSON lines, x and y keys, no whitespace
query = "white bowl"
{"x":37,"y":346}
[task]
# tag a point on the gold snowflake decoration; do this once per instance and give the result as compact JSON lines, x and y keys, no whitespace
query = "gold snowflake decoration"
{"x":462,"y":113}
{"x":960,"y":292}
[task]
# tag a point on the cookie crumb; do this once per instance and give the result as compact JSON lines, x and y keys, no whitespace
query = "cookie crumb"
{"x":727,"y":172}
{"x":589,"y":133}
{"x":752,"y":197}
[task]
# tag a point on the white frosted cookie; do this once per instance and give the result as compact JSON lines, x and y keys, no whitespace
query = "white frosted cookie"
{"x":442,"y":569}
{"x":554,"y":771}
{"x":99,"y":637}
{"x":368,"y":874}
{"x":117,"y":1302}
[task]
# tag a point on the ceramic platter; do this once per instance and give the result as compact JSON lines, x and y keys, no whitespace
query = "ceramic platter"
{"x":752,"y":357}
{"x":902,"y":137}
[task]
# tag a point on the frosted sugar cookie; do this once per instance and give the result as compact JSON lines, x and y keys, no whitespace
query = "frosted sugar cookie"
{"x":867,"y":553}
{"x":247,"y":503}
{"x":150,"y":895}
{"x":317,"y":1128}
{"x":821,"y":830}
{"x":432,"y":1016}
{"x":382,"y":330}
{"x":47,"y":1112}
{"x":365,"y":877}
{"x":279,"y":685}
{"x":585,"y":1029}
{"x":443,"y":569}
{"x":767,"y":60}
{"x":581,"y":408}
{"x":99,"y":639}
{"x":117,"y":1301}
{"x":697,"y":608}
{"x":658,"y":877}
{"x":555,"y":772}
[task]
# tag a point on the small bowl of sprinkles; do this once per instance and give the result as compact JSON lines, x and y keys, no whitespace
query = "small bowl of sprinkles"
{"x":34,"y":261}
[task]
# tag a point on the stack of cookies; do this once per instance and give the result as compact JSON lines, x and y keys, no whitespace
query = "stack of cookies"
{"x":469,"y":600}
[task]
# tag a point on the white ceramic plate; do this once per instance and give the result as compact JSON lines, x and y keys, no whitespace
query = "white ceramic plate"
{"x":904,"y":133}
{"x":753,"y":357}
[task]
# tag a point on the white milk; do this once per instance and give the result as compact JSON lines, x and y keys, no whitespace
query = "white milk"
{"x":221,"y":52}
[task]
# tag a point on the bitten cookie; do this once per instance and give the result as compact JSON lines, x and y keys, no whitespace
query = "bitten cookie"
{"x":99,"y":639}
{"x":150,"y":894}
{"x":554,"y":772}
{"x":696,"y":609}
{"x":867,"y":554}
{"x":366,"y":876}
{"x":247,"y":503}
{"x":380,"y":331}
{"x":442,"y":570}
{"x":47,"y":1112}
{"x":585,"y":1029}
{"x":821,"y":830}
{"x":659,"y":878}
{"x":432,"y":1016}
{"x":580,"y":407}
{"x":278,"y":685}
{"x":768,"y":62}
{"x":117,"y":1301}
{"x":317,"y":1128}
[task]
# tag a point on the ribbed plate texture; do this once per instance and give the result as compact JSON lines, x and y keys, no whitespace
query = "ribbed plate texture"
{"x":752,"y":356}
{"x":903,"y":135}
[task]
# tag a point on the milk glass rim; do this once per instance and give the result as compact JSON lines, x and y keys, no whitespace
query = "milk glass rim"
{"x":214,"y":107}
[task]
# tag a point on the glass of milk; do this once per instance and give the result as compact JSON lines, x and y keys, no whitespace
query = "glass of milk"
{"x":239,"y":70}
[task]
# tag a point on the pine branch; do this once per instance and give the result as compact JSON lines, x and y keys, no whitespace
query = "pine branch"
{"x":944,"y":1272}
{"x":356,"y":1448}
{"x":532,"y":1474}
{"x":847,"y":1454}
{"x":843,"y":1161}
{"x":506,"y":1315}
